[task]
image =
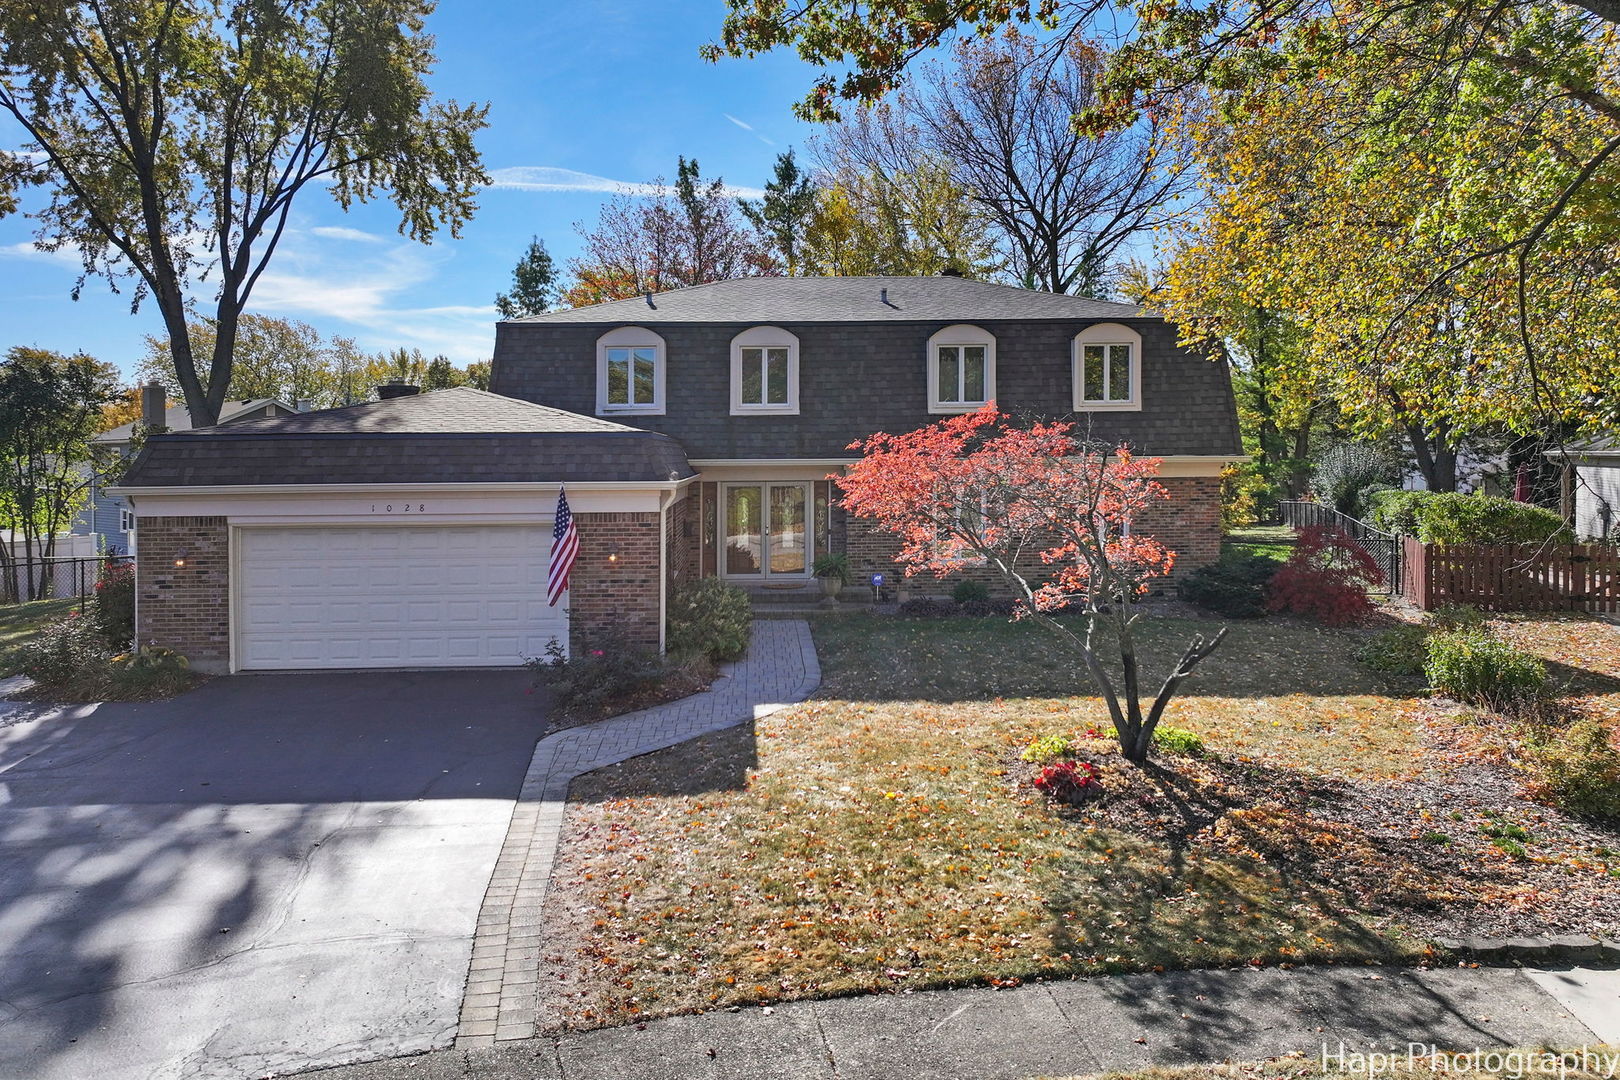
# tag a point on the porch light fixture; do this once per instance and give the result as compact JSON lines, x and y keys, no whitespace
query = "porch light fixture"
{"x":180,"y":557}
{"x":613,"y":556}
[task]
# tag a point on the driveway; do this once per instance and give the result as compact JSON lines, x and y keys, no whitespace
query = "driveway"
{"x":267,"y":874}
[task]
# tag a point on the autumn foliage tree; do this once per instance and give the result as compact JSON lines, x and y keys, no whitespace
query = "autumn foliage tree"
{"x":1053,"y":515}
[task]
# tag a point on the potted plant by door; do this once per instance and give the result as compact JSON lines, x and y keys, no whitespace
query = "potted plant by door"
{"x":833,"y":570}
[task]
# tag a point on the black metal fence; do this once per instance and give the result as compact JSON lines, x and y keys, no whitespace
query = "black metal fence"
{"x":1384,"y":548}
{"x":54,"y":578}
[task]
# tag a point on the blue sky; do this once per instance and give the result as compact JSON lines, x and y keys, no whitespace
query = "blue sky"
{"x":584,"y":97}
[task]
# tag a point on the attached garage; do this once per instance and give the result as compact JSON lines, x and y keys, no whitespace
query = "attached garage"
{"x":396,"y":596}
{"x":413,"y":532}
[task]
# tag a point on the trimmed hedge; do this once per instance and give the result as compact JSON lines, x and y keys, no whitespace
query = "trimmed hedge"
{"x":1447,"y":517}
{"x":1234,"y":587}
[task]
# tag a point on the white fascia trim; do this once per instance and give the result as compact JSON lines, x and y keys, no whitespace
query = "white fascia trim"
{"x":742,"y":463}
{"x":384,"y":489}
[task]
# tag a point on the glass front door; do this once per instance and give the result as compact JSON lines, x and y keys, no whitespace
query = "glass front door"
{"x":767,"y":530}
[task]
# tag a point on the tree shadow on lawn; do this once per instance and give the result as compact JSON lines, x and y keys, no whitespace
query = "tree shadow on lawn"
{"x":146,"y":845}
{"x":1150,"y":887}
{"x":719,"y":761}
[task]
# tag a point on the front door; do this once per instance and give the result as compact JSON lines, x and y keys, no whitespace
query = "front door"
{"x":767,"y":531}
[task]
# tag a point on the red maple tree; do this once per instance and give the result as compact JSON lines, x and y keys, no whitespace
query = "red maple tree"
{"x":1052,"y":514}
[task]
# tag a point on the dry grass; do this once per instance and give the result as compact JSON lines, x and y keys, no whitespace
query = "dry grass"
{"x":885,"y":836}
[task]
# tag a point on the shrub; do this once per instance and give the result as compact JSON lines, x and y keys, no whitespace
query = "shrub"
{"x":1475,"y":667}
{"x":1458,"y":617}
{"x":1326,"y":578}
{"x":711,"y":618}
{"x":969,"y":591}
{"x":1000,"y":605}
{"x":1400,"y":651}
{"x":115,"y":604}
{"x":1072,"y":782}
{"x":151,"y":671}
{"x":1047,"y":748}
{"x":1450,"y":518}
{"x":1234,"y":587}
{"x":605,"y":670}
{"x":62,"y":650}
{"x":1397,"y":511}
{"x":1578,"y":769}
{"x":1346,"y":470}
{"x":1176,"y":740}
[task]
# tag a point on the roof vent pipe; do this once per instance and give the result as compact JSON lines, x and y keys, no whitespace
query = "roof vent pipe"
{"x":883,"y":295}
{"x":647,"y":296}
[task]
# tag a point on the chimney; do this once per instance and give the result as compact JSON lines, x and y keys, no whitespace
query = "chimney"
{"x":154,"y":407}
{"x":396,"y":387}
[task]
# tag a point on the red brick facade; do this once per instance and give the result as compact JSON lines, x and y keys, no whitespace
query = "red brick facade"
{"x":1188,"y":524}
{"x":614,"y":583}
{"x":185,"y":607}
{"x":682,"y":543}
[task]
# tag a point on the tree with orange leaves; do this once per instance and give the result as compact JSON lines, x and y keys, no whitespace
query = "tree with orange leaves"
{"x":1053,"y":515}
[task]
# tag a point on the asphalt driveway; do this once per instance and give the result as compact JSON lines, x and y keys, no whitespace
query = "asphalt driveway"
{"x":267,"y":874}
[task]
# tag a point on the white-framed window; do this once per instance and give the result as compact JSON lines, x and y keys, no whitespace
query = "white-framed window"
{"x":764,"y":371}
{"x":961,"y":369}
{"x":630,"y":375}
{"x":1107,"y":368}
{"x":126,"y":521}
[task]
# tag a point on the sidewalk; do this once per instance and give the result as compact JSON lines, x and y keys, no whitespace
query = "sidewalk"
{"x":1066,"y":1028}
{"x":501,"y":1000}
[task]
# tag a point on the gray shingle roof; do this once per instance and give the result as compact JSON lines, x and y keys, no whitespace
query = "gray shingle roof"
{"x":459,"y":411}
{"x":447,"y":436}
{"x":843,"y":299}
{"x":178,"y":418}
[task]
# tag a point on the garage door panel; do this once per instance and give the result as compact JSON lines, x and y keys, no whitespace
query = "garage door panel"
{"x":394,"y":596}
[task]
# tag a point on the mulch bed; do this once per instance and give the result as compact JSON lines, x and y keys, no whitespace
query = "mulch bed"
{"x":677,"y":683}
{"x":1454,"y":849}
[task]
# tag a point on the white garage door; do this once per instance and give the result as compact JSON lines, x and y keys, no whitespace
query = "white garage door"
{"x":402,"y":596}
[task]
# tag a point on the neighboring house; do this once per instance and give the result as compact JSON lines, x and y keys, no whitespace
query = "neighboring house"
{"x":695,"y":431}
{"x":1592,"y":489}
{"x":107,"y":517}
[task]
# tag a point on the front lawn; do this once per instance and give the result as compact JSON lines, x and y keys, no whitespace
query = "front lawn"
{"x":885,"y":836}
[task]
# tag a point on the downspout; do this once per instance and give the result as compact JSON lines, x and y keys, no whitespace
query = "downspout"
{"x":664,"y":500}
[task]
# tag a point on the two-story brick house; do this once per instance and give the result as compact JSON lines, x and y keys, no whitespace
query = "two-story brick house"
{"x":695,"y":431}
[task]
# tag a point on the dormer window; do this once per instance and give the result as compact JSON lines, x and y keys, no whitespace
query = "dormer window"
{"x":1107,"y":368}
{"x":630,"y":371}
{"x":961,"y":369}
{"x":764,"y":371}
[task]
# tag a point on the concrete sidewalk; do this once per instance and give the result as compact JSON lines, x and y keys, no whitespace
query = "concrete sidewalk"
{"x":1066,"y":1028}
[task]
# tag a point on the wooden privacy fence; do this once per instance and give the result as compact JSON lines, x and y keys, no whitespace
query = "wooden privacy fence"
{"x":1512,"y":577}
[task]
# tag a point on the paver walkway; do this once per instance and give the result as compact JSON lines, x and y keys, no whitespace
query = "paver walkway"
{"x":1082,"y":1027}
{"x":501,"y":1001}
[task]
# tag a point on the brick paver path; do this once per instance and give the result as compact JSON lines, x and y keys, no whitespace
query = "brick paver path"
{"x":501,"y":1001}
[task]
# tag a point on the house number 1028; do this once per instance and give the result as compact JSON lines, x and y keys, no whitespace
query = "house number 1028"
{"x":398,"y":508}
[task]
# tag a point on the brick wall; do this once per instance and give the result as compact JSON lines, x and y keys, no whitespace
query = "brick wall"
{"x":186,"y":608}
{"x":615,"y":594}
{"x":682,"y":542}
{"x":1189,"y":524}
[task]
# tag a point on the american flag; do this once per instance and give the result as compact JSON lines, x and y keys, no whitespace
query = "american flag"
{"x":564,"y":547}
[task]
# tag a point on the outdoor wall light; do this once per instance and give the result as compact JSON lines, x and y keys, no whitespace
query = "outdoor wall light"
{"x":180,"y":557}
{"x":613,"y":556}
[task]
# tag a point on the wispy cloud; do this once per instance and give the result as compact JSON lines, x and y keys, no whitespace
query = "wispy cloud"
{"x":748,"y":128}
{"x":547,"y":178}
{"x":340,"y":232}
{"x":66,"y":255}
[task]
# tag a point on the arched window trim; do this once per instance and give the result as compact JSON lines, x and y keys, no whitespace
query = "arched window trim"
{"x":760,"y":337}
{"x":958,"y":335}
{"x":623,"y":338}
{"x":1106,"y":334}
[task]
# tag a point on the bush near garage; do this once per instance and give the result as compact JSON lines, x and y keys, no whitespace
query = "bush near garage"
{"x":1234,"y":587}
{"x":710,"y":618}
{"x":607,"y":669}
{"x":115,"y":604}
